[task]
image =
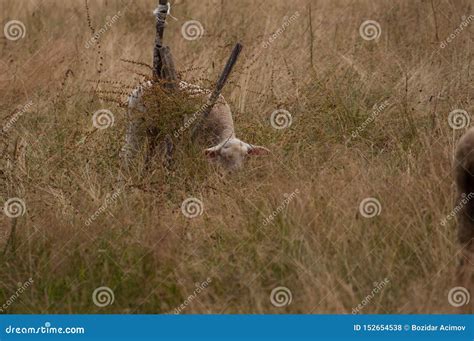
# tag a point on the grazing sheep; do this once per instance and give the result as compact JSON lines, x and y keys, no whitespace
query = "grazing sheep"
{"x":216,"y":129}
{"x":464,"y":176}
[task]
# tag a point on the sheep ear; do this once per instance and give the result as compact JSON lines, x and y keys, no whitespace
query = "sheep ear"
{"x":212,"y":152}
{"x":258,"y":150}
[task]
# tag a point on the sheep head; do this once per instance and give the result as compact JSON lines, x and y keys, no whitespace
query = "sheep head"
{"x":232,"y":153}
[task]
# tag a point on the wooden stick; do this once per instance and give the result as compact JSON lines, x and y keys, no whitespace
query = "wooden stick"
{"x":225,"y":74}
{"x":164,"y":71}
{"x":160,"y":29}
{"x":162,"y":18}
{"x":163,"y":65}
{"x":168,"y":71}
{"x":206,"y":109}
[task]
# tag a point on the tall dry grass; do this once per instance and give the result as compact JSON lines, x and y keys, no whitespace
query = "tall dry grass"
{"x":319,"y":246}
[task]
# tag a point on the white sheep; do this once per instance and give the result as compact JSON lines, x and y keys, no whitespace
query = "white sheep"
{"x":217,"y":128}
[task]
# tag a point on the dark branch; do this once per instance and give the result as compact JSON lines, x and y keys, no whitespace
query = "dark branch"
{"x":225,"y":73}
{"x":206,"y":109}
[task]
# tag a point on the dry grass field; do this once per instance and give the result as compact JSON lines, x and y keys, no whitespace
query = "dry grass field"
{"x":359,"y":185}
